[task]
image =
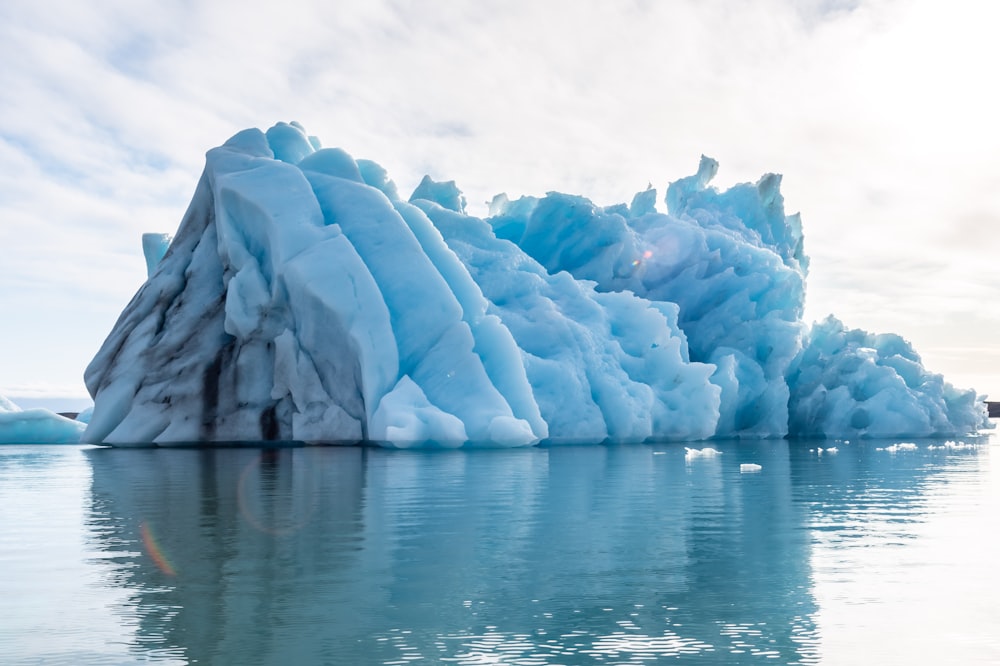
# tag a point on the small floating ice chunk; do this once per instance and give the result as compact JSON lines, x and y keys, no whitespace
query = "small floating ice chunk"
{"x":953,"y":446}
{"x":903,"y":446}
{"x":707,"y":452}
{"x":746,"y":468}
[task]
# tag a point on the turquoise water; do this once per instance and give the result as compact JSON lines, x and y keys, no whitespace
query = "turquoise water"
{"x":574,"y":555}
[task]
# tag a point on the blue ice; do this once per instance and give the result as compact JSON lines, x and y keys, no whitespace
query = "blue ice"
{"x":303,"y":299}
{"x":36,"y":426}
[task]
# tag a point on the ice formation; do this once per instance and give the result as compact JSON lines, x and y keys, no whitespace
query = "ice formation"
{"x":84,"y":416}
{"x":303,"y":299}
{"x":849,"y":383}
{"x":35,"y":426}
{"x":154,"y":246}
{"x":733,"y":262}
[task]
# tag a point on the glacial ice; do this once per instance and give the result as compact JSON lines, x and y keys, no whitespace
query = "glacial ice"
{"x":849,"y":383}
{"x":902,"y":446}
{"x":154,"y":246}
{"x":84,"y":416}
{"x":694,"y":454}
{"x":303,"y":299}
{"x":36,"y":426}
{"x":732,"y":262}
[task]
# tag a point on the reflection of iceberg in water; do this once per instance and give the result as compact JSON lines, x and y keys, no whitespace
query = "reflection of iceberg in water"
{"x":616,"y":551}
{"x":563,"y":555}
{"x":336,"y":555}
{"x":226,"y":549}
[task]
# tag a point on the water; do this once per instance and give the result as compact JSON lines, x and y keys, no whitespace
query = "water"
{"x":576,"y":555}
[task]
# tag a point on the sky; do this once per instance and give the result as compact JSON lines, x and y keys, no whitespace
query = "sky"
{"x":881,"y":115}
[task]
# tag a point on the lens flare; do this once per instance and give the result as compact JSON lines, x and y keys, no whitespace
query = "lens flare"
{"x":272,"y":505}
{"x":154,"y":551}
{"x":645,"y":255}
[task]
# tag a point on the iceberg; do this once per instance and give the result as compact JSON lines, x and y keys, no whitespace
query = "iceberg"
{"x":36,"y":426}
{"x":851,"y":383}
{"x":302,"y":299}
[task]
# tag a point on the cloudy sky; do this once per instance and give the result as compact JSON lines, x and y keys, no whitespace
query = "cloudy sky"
{"x":881,"y":115}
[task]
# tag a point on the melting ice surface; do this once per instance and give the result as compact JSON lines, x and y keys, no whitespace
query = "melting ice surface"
{"x":303,"y":299}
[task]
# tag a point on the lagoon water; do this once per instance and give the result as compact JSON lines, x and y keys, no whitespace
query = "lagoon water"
{"x":568,"y":555}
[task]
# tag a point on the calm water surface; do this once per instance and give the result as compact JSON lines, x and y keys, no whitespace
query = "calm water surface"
{"x":570,"y":555}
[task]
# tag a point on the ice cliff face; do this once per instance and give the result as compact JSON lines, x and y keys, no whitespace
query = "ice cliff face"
{"x":303,"y":299}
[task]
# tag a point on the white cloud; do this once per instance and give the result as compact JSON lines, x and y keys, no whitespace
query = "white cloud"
{"x":879,"y":114}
